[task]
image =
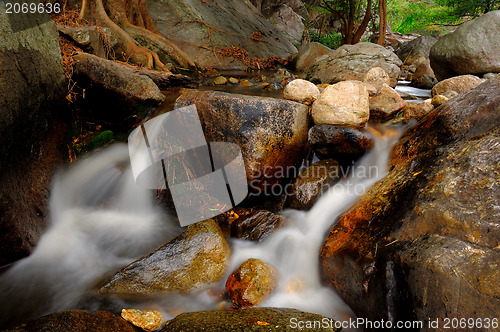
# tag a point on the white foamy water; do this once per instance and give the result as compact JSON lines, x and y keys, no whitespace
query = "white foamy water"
{"x":101,"y":221}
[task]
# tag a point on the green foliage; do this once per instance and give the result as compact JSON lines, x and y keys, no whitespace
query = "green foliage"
{"x":100,"y":140}
{"x":331,"y":40}
{"x":420,"y":16}
{"x":472,"y":8}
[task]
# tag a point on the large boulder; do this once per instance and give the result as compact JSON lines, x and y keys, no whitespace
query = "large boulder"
{"x":203,"y":29}
{"x":114,"y":88}
{"x":416,"y":51}
{"x":192,"y":260}
{"x":272,"y":133}
{"x":32,"y":90}
{"x":352,"y":62}
{"x":422,"y":243}
{"x":289,"y":23}
{"x":302,"y":91}
{"x":344,"y":103}
{"x":471,"y":49}
{"x":309,"y":53}
{"x":251,"y":319}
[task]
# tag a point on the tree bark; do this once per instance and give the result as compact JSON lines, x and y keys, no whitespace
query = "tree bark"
{"x":364,"y":24}
{"x":382,"y":12}
{"x":138,"y":38}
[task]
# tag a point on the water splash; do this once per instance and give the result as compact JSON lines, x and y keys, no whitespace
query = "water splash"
{"x":99,"y":221}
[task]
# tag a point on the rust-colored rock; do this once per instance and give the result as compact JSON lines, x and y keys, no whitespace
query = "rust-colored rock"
{"x":385,"y":104}
{"x":251,"y":283}
{"x":148,"y":320}
{"x":256,"y":225}
{"x":422,"y":243}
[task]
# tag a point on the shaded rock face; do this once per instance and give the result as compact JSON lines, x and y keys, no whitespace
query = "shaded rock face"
{"x":344,"y":103}
{"x":216,"y":25}
{"x":272,"y":133}
{"x":343,"y":144}
{"x":309,"y":53}
{"x":352,"y":62}
{"x":192,"y":260}
{"x":256,"y":225}
{"x":32,"y":90}
{"x":458,"y":84}
{"x":311,"y":183}
{"x":423,"y":242}
{"x":424,"y":77}
{"x":89,"y":38}
{"x":251,"y":319}
{"x":251,"y":283}
{"x":471,"y":49}
{"x":289,"y":23}
{"x":113,"y":88}
{"x":416,"y":51}
{"x":78,"y":321}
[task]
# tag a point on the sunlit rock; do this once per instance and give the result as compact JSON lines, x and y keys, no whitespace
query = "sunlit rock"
{"x":148,"y":320}
{"x":302,"y":91}
{"x":251,"y":283}
{"x":345,"y":103}
{"x":458,"y":84}
{"x":377,"y":77}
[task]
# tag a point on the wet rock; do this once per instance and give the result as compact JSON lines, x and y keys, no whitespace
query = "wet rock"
{"x":424,"y":78}
{"x":78,"y":321}
{"x":216,"y":25}
{"x":192,"y":260}
{"x":311,"y":183}
{"x":437,"y":100}
{"x":90,"y":38}
{"x":148,"y":320}
{"x":256,"y":225}
{"x":344,"y":103}
{"x":113,"y":88}
{"x":458,"y":84}
{"x":302,"y":91}
{"x":272,"y":133}
{"x":352,"y":62}
{"x":416,"y":51}
{"x":251,"y":283}
{"x":377,"y":77}
{"x":423,"y":242}
{"x":288,"y":22}
{"x":234,"y":80}
{"x":220,"y":80}
{"x":385,"y":104}
{"x":343,"y":144}
{"x":470,"y":49}
{"x":417,"y":110}
{"x":32,"y":89}
{"x":246,"y":83}
{"x":251,"y":319}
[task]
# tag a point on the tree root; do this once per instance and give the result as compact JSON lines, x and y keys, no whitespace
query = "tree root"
{"x":138,"y":42}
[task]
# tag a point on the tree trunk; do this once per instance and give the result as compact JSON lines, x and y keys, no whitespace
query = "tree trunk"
{"x":382,"y":12}
{"x":364,"y":24}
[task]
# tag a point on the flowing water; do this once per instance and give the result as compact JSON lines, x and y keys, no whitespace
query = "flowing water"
{"x":101,"y":221}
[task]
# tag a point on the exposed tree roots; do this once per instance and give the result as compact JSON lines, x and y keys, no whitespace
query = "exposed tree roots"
{"x":139,"y":41}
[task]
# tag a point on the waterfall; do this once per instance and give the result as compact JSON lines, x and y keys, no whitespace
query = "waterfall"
{"x":101,"y":221}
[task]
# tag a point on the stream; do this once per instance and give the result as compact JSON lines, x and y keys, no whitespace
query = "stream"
{"x":101,"y":221}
